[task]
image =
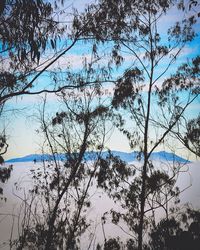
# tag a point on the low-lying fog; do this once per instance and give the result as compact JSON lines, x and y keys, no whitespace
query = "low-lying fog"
{"x":9,"y":210}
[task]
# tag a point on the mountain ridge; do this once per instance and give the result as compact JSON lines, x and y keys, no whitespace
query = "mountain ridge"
{"x":125,"y":156}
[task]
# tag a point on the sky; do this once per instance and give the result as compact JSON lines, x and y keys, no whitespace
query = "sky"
{"x":21,"y":125}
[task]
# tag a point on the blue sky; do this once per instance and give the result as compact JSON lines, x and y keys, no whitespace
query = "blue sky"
{"x":21,"y":126}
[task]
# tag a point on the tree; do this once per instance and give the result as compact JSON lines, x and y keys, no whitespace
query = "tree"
{"x":122,"y":182}
{"x":27,"y":30}
{"x":74,"y":138}
{"x":155,"y":103}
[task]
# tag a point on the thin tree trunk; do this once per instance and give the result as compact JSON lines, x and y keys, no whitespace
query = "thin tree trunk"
{"x":145,"y":149}
{"x":142,"y":205}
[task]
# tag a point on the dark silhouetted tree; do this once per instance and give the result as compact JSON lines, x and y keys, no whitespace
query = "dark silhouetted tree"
{"x":146,"y":90}
{"x":62,"y":184}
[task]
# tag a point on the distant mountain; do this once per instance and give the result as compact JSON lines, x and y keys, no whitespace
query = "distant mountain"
{"x":162,"y":155}
{"x":127,"y":157}
{"x":36,"y":157}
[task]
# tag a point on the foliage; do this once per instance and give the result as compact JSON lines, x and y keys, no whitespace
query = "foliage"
{"x":180,"y":232}
{"x":192,"y":137}
{"x":5,"y":172}
{"x":112,"y":244}
{"x":26,"y":30}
